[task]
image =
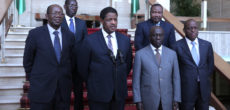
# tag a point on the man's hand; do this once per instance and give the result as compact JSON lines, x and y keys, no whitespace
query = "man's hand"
{"x":139,"y":106}
{"x":175,"y":106}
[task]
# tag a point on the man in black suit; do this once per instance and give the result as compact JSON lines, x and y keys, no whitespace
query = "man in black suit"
{"x":105,"y":62}
{"x":143,"y":29}
{"x":47,"y":62}
{"x":196,"y":63}
{"x":78,"y":27}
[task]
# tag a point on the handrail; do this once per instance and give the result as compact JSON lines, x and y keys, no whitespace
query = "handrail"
{"x":198,"y":19}
{"x":4,"y":6}
{"x":220,"y":64}
{"x":5,"y":23}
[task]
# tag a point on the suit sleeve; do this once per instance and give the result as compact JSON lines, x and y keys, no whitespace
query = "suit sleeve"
{"x":171,"y":38}
{"x":139,"y":37}
{"x":210,"y":59}
{"x":136,"y":79}
{"x":176,"y":80}
{"x":129,"y":58}
{"x":83,"y":59}
{"x":29,"y":54}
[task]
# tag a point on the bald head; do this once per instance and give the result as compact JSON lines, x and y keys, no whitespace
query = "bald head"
{"x":54,"y":15}
{"x":156,"y":36}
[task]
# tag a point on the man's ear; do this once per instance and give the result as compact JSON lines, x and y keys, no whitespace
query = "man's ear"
{"x":64,"y":7}
{"x":46,"y":16}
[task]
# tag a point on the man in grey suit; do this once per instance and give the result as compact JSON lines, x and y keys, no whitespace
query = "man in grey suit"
{"x":156,"y":77}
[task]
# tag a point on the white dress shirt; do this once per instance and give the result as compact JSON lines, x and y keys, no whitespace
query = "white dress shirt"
{"x":154,"y":49}
{"x":52,"y":36}
{"x":189,"y":42}
{"x":67,"y":18}
{"x":113,"y":40}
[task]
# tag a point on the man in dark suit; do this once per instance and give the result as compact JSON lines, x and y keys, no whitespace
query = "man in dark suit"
{"x":47,"y":62}
{"x":105,"y":62}
{"x":196,"y":63}
{"x":143,"y":29}
{"x":78,"y":27}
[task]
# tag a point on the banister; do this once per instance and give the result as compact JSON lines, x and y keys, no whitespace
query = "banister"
{"x":4,"y":6}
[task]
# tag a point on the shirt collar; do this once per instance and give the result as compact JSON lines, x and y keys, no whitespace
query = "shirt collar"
{"x":67,"y":18}
{"x":105,"y":34}
{"x":190,"y":42}
{"x":157,"y":24}
{"x":51,"y":29}
{"x":154,"y":48}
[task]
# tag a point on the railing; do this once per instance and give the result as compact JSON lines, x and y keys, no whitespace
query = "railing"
{"x":6,"y":18}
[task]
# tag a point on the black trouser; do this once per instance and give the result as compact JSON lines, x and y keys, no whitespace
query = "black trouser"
{"x":78,"y":94}
{"x":57,"y":103}
{"x":198,"y":104}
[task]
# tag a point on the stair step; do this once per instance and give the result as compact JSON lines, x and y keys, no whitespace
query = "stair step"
{"x":9,"y":100}
{"x":15,"y":42}
{"x":21,"y":29}
{"x":14,"y":50}
{"x":11,"y":68}
{"x":16,"y":75}
{"x":11,"y":90}
{"x":12,"y":81}
{"x":17,"y":35}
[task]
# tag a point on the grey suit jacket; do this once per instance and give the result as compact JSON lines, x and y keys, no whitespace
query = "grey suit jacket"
{"x":153,"y":83}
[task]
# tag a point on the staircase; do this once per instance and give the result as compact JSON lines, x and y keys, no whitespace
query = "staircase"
{"x":12,"y":75}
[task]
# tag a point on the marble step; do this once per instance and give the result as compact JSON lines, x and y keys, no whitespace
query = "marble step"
{"x":12,"y":81}
{"x":11,"y":90}
{"x":21,"y":29}
{"x":17,"y":35}
{"x":15,"y":42}
{"x":11,"y":68}
{"x":9,"y":50}
{"x":9,"y":102}
{"x":14,"y":58}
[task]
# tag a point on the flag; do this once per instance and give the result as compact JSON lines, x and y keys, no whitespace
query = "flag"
{"x":134,"y":6}
{"x":21,"y":6}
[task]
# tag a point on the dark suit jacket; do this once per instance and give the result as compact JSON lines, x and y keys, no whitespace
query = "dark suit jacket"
{"x":143,"y":30}
{"x":40,"y":63}
{"x":189,"y":70}
{"x":103,"y":77}
{"x":80,"y":27}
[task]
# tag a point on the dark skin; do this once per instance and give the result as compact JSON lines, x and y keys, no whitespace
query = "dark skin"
{"x":110,"y":22}
{"x":156,"y":39}
{"x":54,"y":16}
{"x":191,"y":29}
{"x":156,"y":13}
{"x":71,"y":8}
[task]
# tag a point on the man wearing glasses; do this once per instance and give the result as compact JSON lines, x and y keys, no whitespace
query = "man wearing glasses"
{"x":47,"y":63}
{"x":79,"y":29}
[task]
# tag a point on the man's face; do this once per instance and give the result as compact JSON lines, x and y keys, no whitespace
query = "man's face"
{"x":156,"y":13}
{"x":156,"y":36}
{"x":110,"y":22}
{"x":71,"y":8}
{"x":191,"y":30}
{"x":55,"y":16}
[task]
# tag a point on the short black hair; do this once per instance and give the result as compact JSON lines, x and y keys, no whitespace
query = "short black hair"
{"x":107,"y":10}
{"x":67,"y":1}
{"x":186,"y":22}
{"x":157,"y":4}
{"x":50,"y":6}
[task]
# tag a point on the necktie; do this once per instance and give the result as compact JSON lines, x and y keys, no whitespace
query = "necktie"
{"x":57,"y":46}
{"x":158,"y":56}
{"x":110,"y":46}
{"x":194,"y":53}
{"x":71,"y":26}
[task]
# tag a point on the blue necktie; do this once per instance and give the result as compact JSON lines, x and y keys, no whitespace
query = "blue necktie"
{"x":195,"y":57}
{"x":110,"y":46}
{"x":71,"y":26}
{"x":57,"y":46}
{"x":194,"y":53}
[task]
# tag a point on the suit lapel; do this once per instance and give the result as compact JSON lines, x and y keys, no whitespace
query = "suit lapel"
{"x":151,"y":55}
{"x":201,"y":51}
{"x":64,"y":43}
{"x":49,"y":44}
{"x":119,"y":41}
{"x":64,"y":23}
{"x":102,"y":40}
{"x":187,"y":51}
{"x":163,"y":56}
{"x":77,"y":26}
